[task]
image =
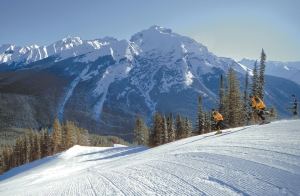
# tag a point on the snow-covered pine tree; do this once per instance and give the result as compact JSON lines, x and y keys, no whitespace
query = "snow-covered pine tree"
{"x":261,"y":77}
{"x":234,"y":105}
{"x":200,"y":116}
{"x":57,"y":136}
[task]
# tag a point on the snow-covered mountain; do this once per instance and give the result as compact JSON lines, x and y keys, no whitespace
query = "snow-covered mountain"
{"x":254,"y":160}
{"x":19,"y":57}
{"x":104,"y":83}
{"x":287,"y":70}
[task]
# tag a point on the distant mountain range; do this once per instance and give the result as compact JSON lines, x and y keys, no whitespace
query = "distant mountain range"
{"x":287,"y":70}
{"x":104,"y":83}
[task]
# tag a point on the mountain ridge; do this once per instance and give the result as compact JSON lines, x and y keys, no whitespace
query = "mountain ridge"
{"x":108,"y":82}
{"x":288,"y":70}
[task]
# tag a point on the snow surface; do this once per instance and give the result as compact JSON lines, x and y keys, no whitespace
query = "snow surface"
{"x":253,"y":160}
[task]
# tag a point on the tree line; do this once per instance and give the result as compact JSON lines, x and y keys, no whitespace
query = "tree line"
{"x":233,"y":104}
{"x":35,"y":145}
{"x":164,"y":129}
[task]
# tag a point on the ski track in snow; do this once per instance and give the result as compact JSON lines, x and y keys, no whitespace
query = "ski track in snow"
{"x":70,"y":90}
{"x":254,"y":160}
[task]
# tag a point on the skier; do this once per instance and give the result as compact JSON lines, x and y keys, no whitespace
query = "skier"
{"x":258,"y":106}
{"x":218,"y":118}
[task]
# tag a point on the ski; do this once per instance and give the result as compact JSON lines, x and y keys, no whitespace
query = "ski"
{"x":263,"y":123}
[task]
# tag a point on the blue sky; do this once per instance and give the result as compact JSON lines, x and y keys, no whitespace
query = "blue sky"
{"x":231,"y":28}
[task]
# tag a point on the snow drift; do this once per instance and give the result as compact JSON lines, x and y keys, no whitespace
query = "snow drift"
{"x":253,"y":160}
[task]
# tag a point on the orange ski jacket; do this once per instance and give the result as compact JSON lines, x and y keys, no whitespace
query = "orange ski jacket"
{"x":257,"y":103}
{"x":217,"y":116}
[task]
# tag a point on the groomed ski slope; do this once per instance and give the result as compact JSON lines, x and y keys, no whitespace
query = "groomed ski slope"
{"x":254,"y":160}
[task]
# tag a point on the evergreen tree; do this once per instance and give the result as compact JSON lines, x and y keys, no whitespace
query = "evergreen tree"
{"x":179,"y":127}
{"x":37,"y":147}
{"x":152,"y":136}
{"x":18,"y":152}
{"x":170,"y":128}
{"x":47,"y":144}
{"x":84,"y":137}
{"x":31,"y":146}
{"x":6,"y":156}
{"x":57,"y":136}
{"x":187,"y":128}
{"x":28,"y":150}
{"x":261,"y":77}
{"x":2,"y":163}
{"x":70,"y":131}
{"x":158,"y":129}
{"x":200,"y":117}
{"x":207,"y":122}
{"x":222,"y":95}
{"x":255,"y":80}
{"x":141,"y":133}
{"x":165,"y":130}
{"x":42,"y":142}
{"x":23,"y":150}
{"x":247,"y":109}
{"x":234,"y":105}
